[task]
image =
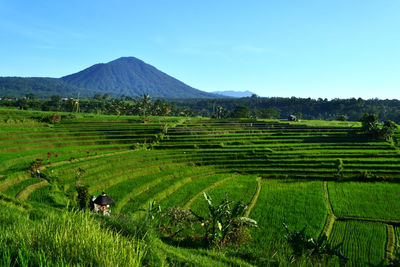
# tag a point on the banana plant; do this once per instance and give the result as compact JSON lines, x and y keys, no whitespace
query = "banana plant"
{"x":224,"y":220}
{"x":151,"y":211}
{"x":303,"y":244}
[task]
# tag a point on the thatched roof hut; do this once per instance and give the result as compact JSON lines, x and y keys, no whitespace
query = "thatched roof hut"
{"x":103,"y":200}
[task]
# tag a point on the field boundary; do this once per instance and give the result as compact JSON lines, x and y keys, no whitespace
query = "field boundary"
{"x":193,"y":199}
{"x":10,"y":181}
{"x":139,"y":190}
{"x":174,"y":187}
{"x":383,"y":221}
{"x":331,"y":218}
{"x":27,"y":191}
{"x":255,"y":198}
{"x":390,"y":241}
{"x":59,"y":163}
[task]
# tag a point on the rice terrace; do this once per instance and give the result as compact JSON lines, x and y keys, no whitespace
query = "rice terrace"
{"x":296,"y":180}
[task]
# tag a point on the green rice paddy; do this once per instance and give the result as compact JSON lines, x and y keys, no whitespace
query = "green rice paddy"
{"x":277,"y":167}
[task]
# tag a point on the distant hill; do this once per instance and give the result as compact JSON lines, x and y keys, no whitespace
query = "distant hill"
{"x":41,"y":87}
{"x":127,"y":76}
{"x":234,"y":93}
{"x":132,"y":77}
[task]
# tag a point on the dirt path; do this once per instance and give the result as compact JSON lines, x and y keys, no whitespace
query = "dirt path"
{"x":331,"y":218}
{"x":390,"y":242}
{"x":255,"y":198}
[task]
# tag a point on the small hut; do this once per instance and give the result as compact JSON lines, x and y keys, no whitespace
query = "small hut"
{"x":102,"y":204}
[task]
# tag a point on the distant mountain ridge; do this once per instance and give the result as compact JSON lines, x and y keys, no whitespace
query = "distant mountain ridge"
{"x":234,"y":93}
{"x":41,"y":87}
{"x":127,"y":76}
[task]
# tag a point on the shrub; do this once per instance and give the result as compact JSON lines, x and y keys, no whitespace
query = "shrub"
{"x":370,"y":127}
{"x":302,"y":244}
{"x":388,"y":130}
{"x":369,"y":124}
{"x":339,"y":169}
{"x":176,"y":220}
{"x":83,"y":196}
{"x":341,"y":118}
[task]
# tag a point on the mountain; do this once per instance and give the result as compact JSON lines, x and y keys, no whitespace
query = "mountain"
{"x":41,"y":87}
{"x":132,"y":77}
{"x":234,"y":93}
{"x":127,"y":76}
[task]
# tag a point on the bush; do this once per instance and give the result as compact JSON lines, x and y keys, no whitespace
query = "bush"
{"x":370,"y":127}
{"x":339,"y":169}
{"x":83,"y":196}
{"x":341,"y":118}
{"x":176,"y":220}
{"x":49,"y":118}
{"x":302,"y":244}
{"x":388,"y":130}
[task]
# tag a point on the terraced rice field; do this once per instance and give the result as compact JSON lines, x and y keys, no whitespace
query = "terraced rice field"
{"x":362,"y":242}
{"x":366,"y":200}
{"x":240,"y":188}
{"x":281,"y":149}
{"x":283,"y":170}
{"x":299,"y":204}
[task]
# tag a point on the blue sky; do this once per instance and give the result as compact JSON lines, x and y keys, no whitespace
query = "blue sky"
{"x":320,"y":48}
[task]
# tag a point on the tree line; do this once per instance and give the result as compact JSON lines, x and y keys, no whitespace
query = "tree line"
{"x":247,"y":107}
{"x":303,"y":108}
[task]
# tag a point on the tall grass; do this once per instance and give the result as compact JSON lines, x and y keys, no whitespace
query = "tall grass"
{"x":68,"y":238}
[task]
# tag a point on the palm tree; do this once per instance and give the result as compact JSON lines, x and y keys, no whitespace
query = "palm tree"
{"x":219,"y":112}
{"x":145,"y":103}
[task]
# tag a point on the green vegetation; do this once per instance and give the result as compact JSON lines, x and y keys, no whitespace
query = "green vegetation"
{"x":38,"y":237}
{"x":370,"y":127}
{"x":374,"y":200}
{"x":298,"y":204}
{"x":324,"y":177}
{"x":362,"y":242}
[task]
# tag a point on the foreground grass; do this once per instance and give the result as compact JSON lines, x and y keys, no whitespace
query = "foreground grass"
{"x":42,"y":238}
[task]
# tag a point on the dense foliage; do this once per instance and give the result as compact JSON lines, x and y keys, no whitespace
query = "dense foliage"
{"x":304,"y":108}
{"x":250,"y":107}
